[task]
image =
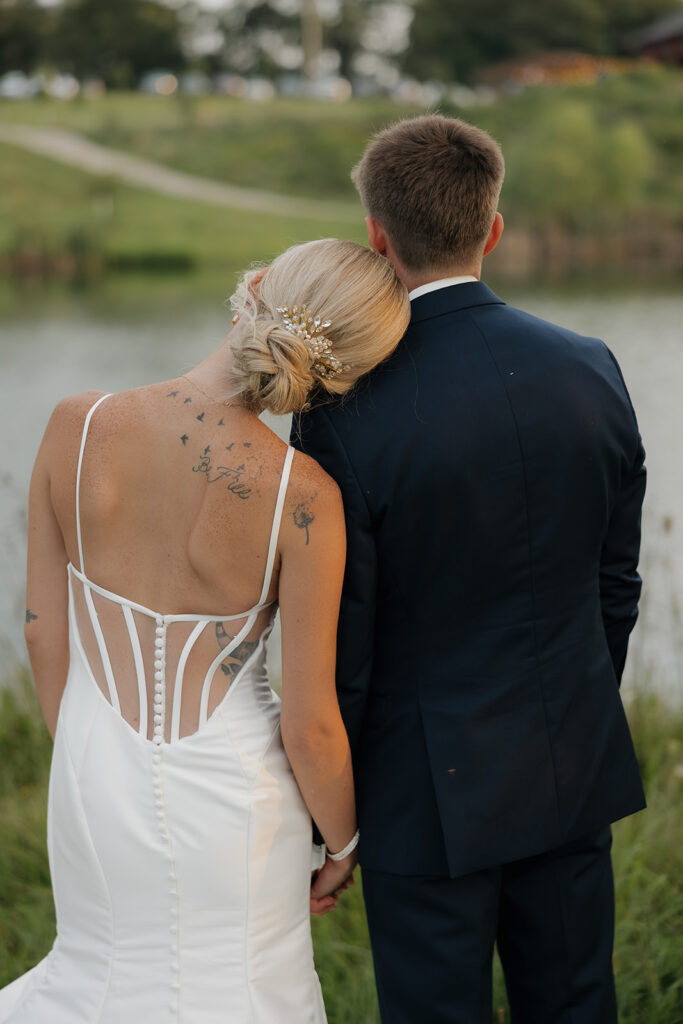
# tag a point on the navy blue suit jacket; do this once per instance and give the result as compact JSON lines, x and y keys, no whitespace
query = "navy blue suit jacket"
{"x":492,"y":476}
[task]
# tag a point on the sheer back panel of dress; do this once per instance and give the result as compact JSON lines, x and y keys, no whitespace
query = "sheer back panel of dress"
{"x":165,"y":674}
{"x":201,"y":659}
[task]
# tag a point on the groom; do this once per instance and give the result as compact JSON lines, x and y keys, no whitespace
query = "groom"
{"x":492,"y":474}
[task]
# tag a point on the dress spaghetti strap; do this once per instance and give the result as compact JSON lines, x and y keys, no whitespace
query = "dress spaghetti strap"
{"x":84,"y":436}
{"x":277,"y":519}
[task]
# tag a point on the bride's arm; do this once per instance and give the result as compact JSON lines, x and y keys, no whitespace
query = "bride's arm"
{"x":313,"y":551}
{"x":46,"y":621}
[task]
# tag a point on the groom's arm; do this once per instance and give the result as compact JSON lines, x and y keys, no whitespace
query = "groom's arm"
{"x":620,"y":583}
{"x":314,"y":434}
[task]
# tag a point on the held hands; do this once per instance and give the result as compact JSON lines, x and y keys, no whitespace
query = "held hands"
{"x":327,"y":884}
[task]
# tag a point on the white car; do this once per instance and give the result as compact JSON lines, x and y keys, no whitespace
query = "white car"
{"x":15,"y":85}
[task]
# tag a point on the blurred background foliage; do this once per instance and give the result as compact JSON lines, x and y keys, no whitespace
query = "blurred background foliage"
{"x":599,"y":163}
{"x":591,"y":125}
{"x":589,"y":120}
{"x":445,"y":40}
{"x":455,"y":39}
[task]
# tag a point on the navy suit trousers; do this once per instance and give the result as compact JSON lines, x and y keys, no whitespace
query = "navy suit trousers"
{"x":551,"y":915}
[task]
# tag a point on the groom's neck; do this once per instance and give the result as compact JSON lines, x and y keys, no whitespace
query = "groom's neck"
{"x":415,"y":278}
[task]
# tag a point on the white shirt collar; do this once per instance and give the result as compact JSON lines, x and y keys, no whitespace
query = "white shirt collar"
{"x":444,"y":282}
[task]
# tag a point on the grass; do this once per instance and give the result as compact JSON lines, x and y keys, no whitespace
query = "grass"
{"x":598,"y":162}
{"x":306,"y":148}
{"x":648,"y":867}
{"x":46,"y":208}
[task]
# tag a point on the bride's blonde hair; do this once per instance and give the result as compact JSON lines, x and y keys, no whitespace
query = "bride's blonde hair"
{"x":353,"y":288}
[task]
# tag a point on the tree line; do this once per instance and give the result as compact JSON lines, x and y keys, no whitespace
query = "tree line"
{"x":452,"y":40}
{"x":449,"y":40}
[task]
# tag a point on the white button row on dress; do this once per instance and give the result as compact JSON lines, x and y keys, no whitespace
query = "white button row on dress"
{"x":159,"y":666}
{"x":159,"y":669}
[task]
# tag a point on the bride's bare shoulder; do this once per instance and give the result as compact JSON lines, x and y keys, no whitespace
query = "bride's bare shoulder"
{"x":307,"y":474}
{"x":68,"y":417}
{"x":312,"y":497}
{"x":72,"y":410}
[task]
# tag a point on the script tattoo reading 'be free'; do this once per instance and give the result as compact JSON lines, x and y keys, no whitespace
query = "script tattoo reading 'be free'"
{"x":231,"y":477}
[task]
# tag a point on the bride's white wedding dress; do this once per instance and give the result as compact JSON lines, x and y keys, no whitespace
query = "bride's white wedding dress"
{"x":179,"y":844}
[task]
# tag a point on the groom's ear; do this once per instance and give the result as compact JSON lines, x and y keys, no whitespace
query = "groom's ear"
{"x":494,"y":235}
{"x":376,"y":236}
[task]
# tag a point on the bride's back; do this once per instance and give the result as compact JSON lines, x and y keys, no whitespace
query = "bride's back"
{"x":177,"y":497}
{"x":174,"y":579}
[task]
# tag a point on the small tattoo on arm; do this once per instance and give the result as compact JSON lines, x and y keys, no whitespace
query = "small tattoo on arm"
{"x":186,"y":401}
{"x":184,"y":438}
{"x":201,"y":417}
{"x":303,"y":517}
{"x":30,"y":616}
{"x":172,"y":394}
{"x":221,"y":423}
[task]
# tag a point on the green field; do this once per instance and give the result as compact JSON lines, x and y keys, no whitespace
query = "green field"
{"x":306,"y":148}
{"x":599,"y":161}
{"x":648,"y":861}
{"x":56,"y":211}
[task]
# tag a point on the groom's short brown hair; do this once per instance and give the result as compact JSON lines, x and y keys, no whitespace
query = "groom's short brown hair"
{"x":433,"y":182}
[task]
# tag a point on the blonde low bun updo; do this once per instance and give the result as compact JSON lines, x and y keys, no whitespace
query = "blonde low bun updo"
{"x":354,"y":288}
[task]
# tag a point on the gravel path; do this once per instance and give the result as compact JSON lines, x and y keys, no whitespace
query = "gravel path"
{"x":72,"y":149}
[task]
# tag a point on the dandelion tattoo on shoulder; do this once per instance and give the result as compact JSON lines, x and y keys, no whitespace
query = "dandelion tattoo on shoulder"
{"x":303,"y":516}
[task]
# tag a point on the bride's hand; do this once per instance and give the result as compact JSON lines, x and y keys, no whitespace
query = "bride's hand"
{"x":321,"y":905}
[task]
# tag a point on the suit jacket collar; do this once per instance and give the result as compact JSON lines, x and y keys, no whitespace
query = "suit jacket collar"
{"x":450,"y":300}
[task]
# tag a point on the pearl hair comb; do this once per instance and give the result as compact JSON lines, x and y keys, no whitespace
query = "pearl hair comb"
{"x":311,"y":329}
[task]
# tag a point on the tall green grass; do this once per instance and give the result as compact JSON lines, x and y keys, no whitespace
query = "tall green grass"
{"x":648,"y":867}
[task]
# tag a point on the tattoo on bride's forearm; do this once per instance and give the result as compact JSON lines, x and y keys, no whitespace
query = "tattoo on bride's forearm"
{"x":30,"y":616}
{"x":303,"y":516}
{"x":239,"y":656}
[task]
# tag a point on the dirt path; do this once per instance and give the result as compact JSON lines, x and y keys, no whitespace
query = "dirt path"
{"x":72,"y":149}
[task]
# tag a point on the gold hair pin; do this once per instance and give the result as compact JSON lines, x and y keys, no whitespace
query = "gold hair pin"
{"x":310,"y":329}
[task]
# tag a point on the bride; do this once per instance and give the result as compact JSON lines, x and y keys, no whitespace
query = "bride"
{"x":166,"y":525}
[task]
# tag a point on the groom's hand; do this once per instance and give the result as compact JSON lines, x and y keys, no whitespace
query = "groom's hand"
{"x":333,"y":879}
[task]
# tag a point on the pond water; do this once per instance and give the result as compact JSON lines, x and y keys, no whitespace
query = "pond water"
{"x":129,"y":332}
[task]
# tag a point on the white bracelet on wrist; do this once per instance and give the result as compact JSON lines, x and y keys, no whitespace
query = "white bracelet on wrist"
{"x":343,"y":854}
